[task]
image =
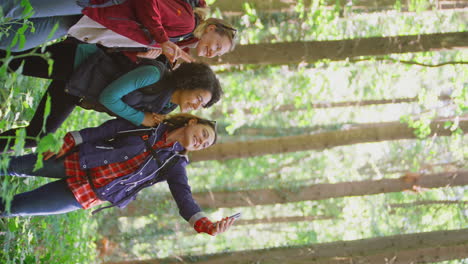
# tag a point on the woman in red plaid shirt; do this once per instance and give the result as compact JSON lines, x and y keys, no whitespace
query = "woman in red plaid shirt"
{"x":113,"y":162}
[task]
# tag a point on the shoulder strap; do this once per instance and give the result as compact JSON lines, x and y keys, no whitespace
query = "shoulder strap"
{"x":106,"y":3}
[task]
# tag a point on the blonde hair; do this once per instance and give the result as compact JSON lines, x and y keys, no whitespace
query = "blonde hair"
{"x":223,"y":28}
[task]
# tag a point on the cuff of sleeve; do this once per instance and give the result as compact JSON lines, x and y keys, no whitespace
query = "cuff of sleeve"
{"x":195,"y":218}
{"x":138,"y":120}
{"x":160,"y":37}
{"x":204,"y":225}
{"x":77,"y":137}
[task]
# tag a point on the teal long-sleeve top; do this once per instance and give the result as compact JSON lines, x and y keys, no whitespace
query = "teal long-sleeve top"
{"x":111,"y":96}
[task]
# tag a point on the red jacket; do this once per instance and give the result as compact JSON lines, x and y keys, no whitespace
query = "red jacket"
{"x":162,"y":18}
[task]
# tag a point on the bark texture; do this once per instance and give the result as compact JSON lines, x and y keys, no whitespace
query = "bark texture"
{"x":254,"y":197}
{"x":426,"y":247}
{"x":335,"y":50}
{"x":319,"y":141}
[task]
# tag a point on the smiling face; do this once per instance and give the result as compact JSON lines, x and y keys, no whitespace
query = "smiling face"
{"x":189,"y":100}
{"x":197,"y":136}
{"x":212,"y":44}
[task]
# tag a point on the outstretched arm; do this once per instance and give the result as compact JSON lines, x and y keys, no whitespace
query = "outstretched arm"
{"x":188,"y":208}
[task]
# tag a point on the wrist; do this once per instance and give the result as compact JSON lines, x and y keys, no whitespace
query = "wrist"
{"x":204,"y":225}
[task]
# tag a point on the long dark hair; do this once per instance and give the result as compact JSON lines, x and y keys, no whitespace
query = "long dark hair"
{"x":180,"y":120}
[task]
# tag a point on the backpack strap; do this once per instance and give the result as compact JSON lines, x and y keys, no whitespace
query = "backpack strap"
{"x":87,"y":3}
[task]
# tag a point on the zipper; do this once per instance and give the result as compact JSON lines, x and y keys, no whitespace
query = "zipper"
{"x":134,"y":184}
{"x":147,"y":162}
{"x":104,"y":147}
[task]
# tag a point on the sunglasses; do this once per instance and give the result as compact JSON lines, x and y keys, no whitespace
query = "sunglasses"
{"x":213,"y":122}
{"x":234,"y":31}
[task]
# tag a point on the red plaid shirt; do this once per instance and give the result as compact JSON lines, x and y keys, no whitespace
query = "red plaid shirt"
{"x":101,"y":176}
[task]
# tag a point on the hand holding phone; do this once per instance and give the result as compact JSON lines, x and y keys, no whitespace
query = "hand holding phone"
{"x":236,"y":216}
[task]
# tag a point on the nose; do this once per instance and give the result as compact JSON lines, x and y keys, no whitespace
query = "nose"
{"x":203,"y":142}
{"x":210,"y":54}
{"x":196,"y":105}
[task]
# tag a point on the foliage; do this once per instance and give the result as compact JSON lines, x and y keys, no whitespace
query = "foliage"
{"x":62,"y":239}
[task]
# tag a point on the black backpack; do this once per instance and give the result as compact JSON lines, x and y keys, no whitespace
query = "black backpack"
{"x":99,"y":70}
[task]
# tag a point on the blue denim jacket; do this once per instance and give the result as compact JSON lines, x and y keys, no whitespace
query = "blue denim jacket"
{"x":101,"y":146}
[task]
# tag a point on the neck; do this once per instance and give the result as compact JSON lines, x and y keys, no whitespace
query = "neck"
{"x":175,"y":135}
{"x":175,"y":97}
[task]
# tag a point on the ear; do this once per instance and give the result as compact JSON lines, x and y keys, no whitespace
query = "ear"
{"x":210,"y":28}
{"x":192,"y":122}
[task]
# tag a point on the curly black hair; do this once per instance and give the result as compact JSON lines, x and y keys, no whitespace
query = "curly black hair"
{"x":193,"y":76}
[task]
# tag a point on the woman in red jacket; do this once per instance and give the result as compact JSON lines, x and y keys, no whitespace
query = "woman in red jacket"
{"x":167,"y":26}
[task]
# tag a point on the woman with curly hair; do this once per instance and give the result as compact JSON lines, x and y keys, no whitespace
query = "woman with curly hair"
{"x":113,"y":162}
{"x":93,"y":78}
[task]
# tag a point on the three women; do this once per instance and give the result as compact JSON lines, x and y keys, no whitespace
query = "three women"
{"x":83,"y":74}
{"x":115,"y":161}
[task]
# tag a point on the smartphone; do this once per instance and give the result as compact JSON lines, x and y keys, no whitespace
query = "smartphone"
{"x":236,"y":216}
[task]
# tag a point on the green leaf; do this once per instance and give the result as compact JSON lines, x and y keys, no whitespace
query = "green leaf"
{"x":22,"y":41}
{"x":47,"y":143}
{"x":39,"y":163}
{"x":19,"y":141}
{"x":28,"y":10}
{"x":46,"y":112}
{"x":52,"y":32}
{"x":51,"y":66}
{"x":13,"y":226}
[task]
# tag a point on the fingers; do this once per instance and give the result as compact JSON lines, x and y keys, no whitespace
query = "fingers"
{"x":186,"y":57}
{"x":174,"y":52}
{"x":48,"y":154}
{"x":169,"y":49}
{"x":60,"y":153}
{"x":152,"y":119}
{"x":223,"y":225}
{"x":150,"y":54}
{"x":157,"y":118}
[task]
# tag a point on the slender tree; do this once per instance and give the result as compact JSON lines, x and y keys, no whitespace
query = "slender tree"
{"x":230,"y":199}
{"x":425,"y":247}
{"x":237,"y":6}
{"x":335,"y":50}
{"x":284,"y":219}
{"x":361,"y":134}
{"x":428,"y":203}
{"x":325,"y":105}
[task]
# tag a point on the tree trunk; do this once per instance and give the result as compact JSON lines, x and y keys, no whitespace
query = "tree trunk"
{"x":419,"y":203}
{"x":425,"y":247}
{"x":284,"y":219}
{"x":254,"y":197}
{"x":324,"y":105}
{"x":327,"y":190}
{"x":269,"y":132}
{"x":335,"y":50}
{"x":362,"y":134}
{"x":236,"y":6}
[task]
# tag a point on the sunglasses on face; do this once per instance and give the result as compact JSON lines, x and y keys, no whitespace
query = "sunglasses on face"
{"x":214,"y":124}
{"x":233,"y":30}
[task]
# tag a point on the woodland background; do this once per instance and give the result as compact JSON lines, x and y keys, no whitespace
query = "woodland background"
{"x":342,"y":141}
